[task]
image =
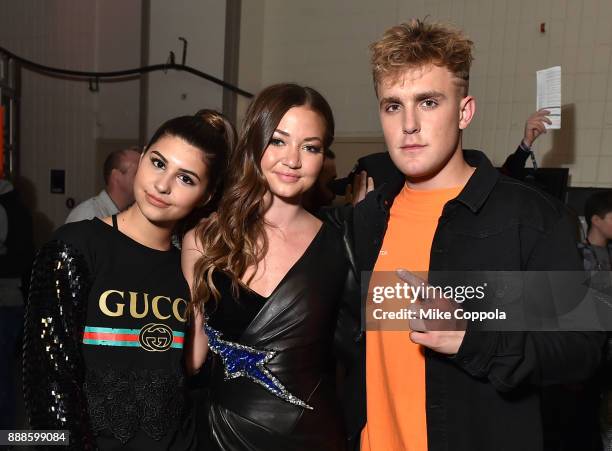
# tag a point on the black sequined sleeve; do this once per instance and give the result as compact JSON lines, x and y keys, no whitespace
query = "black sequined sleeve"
{"x":53,"y":371}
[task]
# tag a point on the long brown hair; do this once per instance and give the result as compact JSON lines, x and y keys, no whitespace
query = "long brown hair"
{"x":233,"y":239}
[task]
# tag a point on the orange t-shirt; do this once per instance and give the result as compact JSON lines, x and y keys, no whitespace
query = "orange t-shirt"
{"x":395,"y":366}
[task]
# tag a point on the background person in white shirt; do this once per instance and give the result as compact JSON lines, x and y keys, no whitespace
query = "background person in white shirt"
{"x":119,"y":170}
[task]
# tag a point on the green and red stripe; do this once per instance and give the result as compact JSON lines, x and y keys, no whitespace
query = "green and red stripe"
{"x":107,"y":336}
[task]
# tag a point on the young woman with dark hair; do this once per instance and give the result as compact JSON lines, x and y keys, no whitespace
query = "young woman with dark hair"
{"x":266,"y":279}
{"x":104,"y":326}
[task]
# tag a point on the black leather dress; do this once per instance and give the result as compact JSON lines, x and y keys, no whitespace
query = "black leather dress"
{"x":272,"y":375}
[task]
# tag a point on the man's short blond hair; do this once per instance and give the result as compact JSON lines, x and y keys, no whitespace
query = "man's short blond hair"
{"x":417,"y":43}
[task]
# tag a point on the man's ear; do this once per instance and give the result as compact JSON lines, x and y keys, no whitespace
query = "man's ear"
{"x":467,"y":109}
{"x":596,"y":220}
{"x":113,"y":176}
{"x":120,"y":179}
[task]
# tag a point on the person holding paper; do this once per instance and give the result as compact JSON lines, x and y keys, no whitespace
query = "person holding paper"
{"x":449,"y":209}
{"x":535,"y":125}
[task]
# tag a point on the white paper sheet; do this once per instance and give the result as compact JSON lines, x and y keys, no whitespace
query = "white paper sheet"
{"x":549,"y":94}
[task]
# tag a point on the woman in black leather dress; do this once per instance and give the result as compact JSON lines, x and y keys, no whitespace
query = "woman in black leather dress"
{"x":104,"y":324}
{"x":266,"y":280}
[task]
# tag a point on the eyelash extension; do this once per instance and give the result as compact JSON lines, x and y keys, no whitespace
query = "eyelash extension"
{"x":187,"y":180}
{"x":155,"y":161}
{"x":315,"y":149}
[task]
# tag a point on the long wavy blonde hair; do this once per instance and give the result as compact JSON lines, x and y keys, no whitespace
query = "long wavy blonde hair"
{"x":233,"y":239}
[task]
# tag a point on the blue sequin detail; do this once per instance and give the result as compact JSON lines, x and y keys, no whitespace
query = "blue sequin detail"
{"x":240,"y":360}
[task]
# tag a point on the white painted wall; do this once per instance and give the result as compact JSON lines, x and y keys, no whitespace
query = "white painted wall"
{"x":61,"y":120}
{"x":250,"y":52}
{"x":57,"y":116}
{"x":202,"y":23}
{"x":325,"y":44}
{"x":118,"y":48}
